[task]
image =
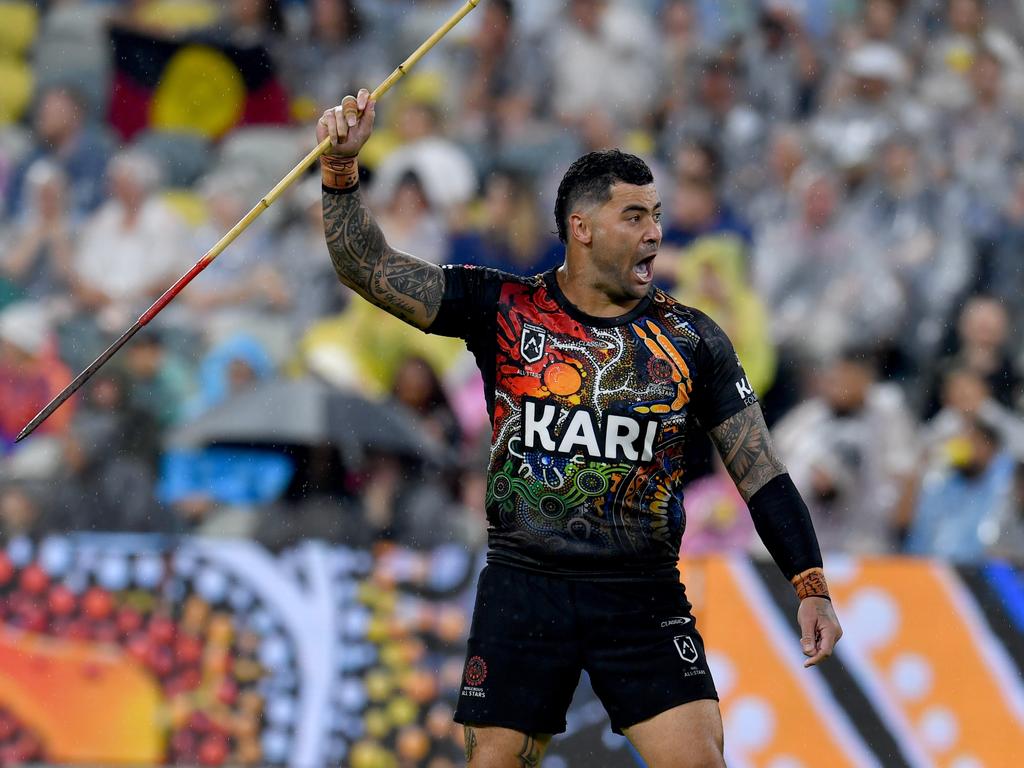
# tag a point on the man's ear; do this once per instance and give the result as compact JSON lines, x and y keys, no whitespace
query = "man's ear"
{"x":580,"y":228}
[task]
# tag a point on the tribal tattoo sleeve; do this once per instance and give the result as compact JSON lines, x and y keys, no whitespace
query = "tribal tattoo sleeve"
{"x":746,"y":448}
{"x":409,"y":288}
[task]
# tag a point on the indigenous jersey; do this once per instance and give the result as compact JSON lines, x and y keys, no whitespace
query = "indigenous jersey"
{"x":590,"y":417}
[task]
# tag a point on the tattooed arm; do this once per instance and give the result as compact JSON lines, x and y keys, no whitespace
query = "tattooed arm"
{"x":409,"y":288}
{"x":746,"y":448}
{"x":783,"y":523}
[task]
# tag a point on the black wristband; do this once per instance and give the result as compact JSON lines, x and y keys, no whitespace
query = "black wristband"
{"x":336,"y":191}
{"x":784,"y":525}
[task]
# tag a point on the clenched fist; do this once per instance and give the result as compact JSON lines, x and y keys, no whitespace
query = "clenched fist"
{"x":349,"y":124}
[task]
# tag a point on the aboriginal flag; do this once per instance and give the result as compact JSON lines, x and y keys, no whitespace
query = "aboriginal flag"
{"x":192,"y":86}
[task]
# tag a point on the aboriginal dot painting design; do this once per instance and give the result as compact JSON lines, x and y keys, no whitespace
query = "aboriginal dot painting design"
{"x":613,"y":405}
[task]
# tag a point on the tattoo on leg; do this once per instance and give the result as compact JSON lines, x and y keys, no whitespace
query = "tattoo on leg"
{"x":529,"y":755}
{"x":470,"y":737}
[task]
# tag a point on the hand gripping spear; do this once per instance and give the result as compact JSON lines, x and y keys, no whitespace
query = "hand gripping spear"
{"x":236,"y":230}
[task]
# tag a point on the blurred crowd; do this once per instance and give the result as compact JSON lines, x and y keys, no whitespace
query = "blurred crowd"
{"x":844,"y":191}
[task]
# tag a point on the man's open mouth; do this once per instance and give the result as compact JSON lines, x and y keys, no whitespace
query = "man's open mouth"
{"x":644,"y":269}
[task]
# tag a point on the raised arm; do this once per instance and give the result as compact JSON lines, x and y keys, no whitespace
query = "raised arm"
{"x":783,"y":523}
{"x":409,"y":288}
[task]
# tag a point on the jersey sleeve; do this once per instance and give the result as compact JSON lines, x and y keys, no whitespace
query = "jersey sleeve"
{"x":470,"y":300}
{"x":721,"y":388}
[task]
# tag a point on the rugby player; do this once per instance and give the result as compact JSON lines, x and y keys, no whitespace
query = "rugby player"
{"x":594,"y":381}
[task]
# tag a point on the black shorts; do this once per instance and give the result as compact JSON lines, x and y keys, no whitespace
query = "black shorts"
{"x":533,"y":634}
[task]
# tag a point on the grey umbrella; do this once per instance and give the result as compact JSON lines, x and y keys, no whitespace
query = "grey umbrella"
{"x":308,"y":411}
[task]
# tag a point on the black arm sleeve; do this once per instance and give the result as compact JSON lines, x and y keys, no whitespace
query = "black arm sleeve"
{"x":784,"y":525}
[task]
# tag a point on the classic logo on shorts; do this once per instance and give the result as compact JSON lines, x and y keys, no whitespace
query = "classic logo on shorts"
{"x":532,"y":341}
{"x":476,"y":671}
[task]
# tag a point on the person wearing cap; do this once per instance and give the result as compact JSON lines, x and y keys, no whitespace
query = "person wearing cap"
{"x":874,"y":104}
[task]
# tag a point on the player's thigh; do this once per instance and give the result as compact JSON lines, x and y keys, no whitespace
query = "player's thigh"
{"x":687,"y":736}
{"x":489,"y":746}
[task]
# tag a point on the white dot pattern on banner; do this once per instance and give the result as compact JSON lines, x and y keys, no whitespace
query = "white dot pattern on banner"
{"x":352,"y":695}
{"x":275,"y":746}
{"x":55,"y":556}
{"x":274,"y":651}
{"x":262,"y":622}
{"x":356,"y":622}
{"x":966,"y":761}
{"x":184,"y":563}
{"x":870,"y":619}
{"x":114,"y":572}
{"x":723,"y":671}
{"x":939,"y":729}
{"x":149,"y":570}
{"x":785,"y":761}
{"x":751,"y":723}
{"x":841,"y":569}
{"x":281,"y":711}
{"x":20,"y":551}
{"x":911,"y":676}
{"x":212,"y":585}
{"x":240,"y":598}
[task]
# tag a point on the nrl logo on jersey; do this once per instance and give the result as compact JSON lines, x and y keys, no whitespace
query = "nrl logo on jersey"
{"x":612,"y":438}
{"x":532,"y":342}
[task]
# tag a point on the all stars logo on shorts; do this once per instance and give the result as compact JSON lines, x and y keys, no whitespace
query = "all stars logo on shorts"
{"x":476,"y":673}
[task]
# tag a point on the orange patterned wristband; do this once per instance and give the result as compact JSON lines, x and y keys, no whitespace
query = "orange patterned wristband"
{"x":339,"y":173}
{"x":811,"y":583}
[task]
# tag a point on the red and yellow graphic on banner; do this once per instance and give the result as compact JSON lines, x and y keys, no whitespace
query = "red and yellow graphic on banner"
{"x":89,"y":703}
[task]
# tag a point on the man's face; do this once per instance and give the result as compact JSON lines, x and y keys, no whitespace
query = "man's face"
{"x":587,"y":14}
{"x":845,"y":386}
{"x":625,"y":233}
{"x":58,"y":116}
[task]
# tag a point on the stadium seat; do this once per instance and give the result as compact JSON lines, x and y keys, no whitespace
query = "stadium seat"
{"x":15,"y":89}
{"x":20,"y":24}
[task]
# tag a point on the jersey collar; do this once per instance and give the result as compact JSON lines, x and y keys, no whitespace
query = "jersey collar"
{"x":596,"y":322}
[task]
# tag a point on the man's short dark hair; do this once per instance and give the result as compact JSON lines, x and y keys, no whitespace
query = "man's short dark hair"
{"x":590,"y":180}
